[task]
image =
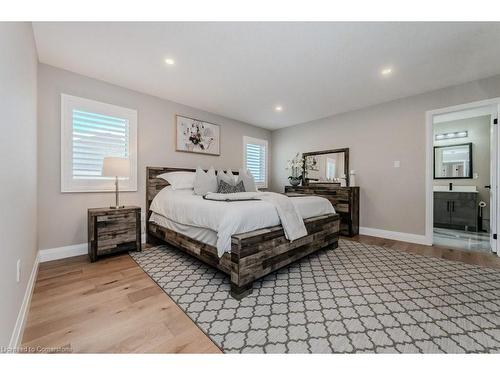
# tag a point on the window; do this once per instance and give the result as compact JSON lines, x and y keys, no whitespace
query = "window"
{"x":90,"y":131}
{"x":255,"y":159}
{"x":330,"y":168}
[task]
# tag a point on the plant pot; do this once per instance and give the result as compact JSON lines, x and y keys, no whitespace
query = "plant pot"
{"x":294,"y":181}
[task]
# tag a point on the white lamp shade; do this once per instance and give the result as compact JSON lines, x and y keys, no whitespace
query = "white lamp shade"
{"x":115,"y":167}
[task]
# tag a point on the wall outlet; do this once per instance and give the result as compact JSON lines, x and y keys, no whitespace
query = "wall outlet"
{"x":18,"y":270}
{"x":397,"y":163}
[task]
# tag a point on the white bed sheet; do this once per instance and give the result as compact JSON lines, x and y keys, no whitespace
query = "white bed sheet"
{"x":204,"y":235}
{"x":229,"y":218}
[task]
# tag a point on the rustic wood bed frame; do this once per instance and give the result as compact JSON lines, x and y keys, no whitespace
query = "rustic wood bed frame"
{"x":253,"y":254}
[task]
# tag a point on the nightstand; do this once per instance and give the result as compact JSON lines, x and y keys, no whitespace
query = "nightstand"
{"x":113,"y":230}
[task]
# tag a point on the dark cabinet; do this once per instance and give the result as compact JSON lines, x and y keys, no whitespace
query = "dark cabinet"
{"x":455,"y":210}
{"x":441,"y":211}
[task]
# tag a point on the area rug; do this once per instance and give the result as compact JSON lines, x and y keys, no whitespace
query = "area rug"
{"x":354,"y":299}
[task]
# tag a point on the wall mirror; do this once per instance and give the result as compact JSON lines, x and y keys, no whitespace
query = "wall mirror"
{"x":453,"y":161}
{"x":326,"y":167}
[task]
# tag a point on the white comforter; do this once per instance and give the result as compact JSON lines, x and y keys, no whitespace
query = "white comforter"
{"x":228,"y":218}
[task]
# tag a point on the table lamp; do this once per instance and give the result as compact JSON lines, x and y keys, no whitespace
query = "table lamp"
{"x":116,"y":167}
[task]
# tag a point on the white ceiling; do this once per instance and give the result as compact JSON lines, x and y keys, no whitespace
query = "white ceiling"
{"x":243,"y":70}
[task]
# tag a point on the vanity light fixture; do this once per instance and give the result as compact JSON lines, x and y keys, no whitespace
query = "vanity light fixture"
{"x":169,"y":61}
{"x":452,"y":135}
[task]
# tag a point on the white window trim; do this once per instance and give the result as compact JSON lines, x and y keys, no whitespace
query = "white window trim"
{"x":68,"y":184}
{"x":257,"y":141}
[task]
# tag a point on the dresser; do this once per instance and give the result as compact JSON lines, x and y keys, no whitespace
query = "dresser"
{"x":345,"y":200}
{"x":456,"y":210}
{"x":113,"y":230}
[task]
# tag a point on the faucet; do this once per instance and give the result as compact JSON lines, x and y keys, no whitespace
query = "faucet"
{"x":450,"y":186}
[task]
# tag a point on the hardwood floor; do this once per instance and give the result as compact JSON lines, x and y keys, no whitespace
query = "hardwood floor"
{"x":112,"y":306}
{"x":480,"y":259}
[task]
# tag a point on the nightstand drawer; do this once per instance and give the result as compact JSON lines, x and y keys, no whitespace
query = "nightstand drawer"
{"x":121,"y":217}
{"x":110,"y":226}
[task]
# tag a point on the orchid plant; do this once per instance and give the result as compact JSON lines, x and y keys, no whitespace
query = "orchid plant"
{"x":295,"y":166}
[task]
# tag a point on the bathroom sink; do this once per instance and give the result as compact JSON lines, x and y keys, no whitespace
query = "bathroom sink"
{"x":456,"y":189}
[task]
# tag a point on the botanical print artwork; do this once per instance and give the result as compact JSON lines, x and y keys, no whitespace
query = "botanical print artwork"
{"x":197,"y":136}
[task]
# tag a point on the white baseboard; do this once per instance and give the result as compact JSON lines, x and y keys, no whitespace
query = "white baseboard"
{"x":17,"y":334}
{"x":47,"y":255}
{"x":63,"y":252}
{"x":398,"y":236}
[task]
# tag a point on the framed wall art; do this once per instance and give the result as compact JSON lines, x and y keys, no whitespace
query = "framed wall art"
{"x":193,"y":135}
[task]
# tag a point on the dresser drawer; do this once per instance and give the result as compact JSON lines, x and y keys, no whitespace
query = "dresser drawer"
{"x":341,"y":207}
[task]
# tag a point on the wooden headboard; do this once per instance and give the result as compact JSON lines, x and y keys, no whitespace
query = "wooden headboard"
{"x":155,"y":184}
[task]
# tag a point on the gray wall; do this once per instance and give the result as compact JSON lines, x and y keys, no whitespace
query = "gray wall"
{"x":479,"y":134}
{"x":62,"y":217}
{"x":391,"y":198}
{"x":18,"y":179}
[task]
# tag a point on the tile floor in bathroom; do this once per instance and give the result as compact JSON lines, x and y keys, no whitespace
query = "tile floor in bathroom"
{"x":472,"y":241}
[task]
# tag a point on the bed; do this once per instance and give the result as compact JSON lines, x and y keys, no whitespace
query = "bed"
{"x":245,"y":256}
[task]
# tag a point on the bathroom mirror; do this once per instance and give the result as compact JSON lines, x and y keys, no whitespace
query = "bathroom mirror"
{"x":453,"y":161}
{"x":326,"y":167}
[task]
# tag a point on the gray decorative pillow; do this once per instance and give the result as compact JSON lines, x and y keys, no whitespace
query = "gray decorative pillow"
{"x":227,"y":177}
{"x":248,"y":180}
{"x":205,"y":182}
{"x":225,"y":188}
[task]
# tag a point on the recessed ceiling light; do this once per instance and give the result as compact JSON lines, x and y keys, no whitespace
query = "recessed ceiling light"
{"x":386,"y":71}
{"x":278,"y":108}
{"x":169,"y":61}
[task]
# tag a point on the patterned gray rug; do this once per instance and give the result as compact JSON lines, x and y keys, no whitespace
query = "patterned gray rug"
{"x":356,"y":298}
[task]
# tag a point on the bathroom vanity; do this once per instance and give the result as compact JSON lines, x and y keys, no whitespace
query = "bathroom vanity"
{"x":456,"y":209}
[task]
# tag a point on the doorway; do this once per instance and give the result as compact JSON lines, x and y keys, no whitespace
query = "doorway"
{"x":462,"y":178}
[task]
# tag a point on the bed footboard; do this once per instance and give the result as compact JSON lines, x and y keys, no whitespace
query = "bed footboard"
{"x":258,"y":253}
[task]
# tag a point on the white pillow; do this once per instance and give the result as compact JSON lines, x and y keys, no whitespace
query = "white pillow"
{"x":227,"y":177}
{"x":205,"y":182}
{"x":179,"y":180}
{"x":248,"y":180}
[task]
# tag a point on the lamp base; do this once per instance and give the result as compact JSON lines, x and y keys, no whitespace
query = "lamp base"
{"x":116,"y":207}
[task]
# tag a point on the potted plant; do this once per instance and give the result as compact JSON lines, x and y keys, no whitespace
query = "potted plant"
{"x":296,"y":167}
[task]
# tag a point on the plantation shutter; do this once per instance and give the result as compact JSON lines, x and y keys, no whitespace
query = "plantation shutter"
{"x":256,"y":160}
{"x":95,"y":136}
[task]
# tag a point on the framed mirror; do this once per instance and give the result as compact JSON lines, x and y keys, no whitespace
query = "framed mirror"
{"x":328,"y":167}
{"x":453,"y":161}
